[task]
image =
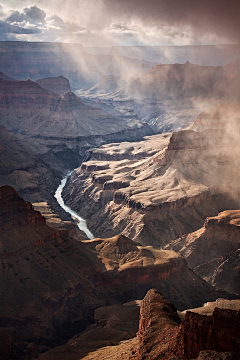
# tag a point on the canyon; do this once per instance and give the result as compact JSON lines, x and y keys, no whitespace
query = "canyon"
{"x":51,"y":283}
{"x":37,"y":60}
{"x":159,"y":191}
{"x":169,"y":96}
{"x":156,"y":198}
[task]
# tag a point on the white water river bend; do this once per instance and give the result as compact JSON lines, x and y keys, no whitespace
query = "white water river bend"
{"x":82,"y":225}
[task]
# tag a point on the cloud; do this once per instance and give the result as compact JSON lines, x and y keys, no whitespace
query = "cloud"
{"x":8,"y":28}
{"x":214,"y":17}
{"x":31,"y":14}
{"x":56,"y":22}
{"x":137,"y":22}
{"x":122,"y":29}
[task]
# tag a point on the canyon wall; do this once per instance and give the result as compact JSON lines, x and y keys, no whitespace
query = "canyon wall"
{"x":163,"y":196}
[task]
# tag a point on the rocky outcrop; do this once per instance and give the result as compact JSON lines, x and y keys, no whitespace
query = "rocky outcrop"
{"x":130,"y":270}
{"x":59,"y":84}
{"x":158,"y":324}
{"x":163,"y":335}
{"x":47,"y":272}
{"x":57,"y":281}
{"x":5,"y":77}
{"x":29,"y":102}
{"x":219,"y":332}
{"x":193,"y":175}
{"x":24,"y":169}
{"x":25,"y":93}
{"x":213,"y":251}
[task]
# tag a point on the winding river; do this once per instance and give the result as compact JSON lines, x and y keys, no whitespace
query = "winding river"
{"x":82,"y":225}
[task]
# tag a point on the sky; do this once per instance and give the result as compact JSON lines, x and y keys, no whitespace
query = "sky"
{"x":121,"y":22}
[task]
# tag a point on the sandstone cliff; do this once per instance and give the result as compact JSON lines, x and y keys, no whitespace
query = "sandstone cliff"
{"x":131,"y":269}
{"x":161,"y":197}
{"x":170,"y":96}
{"x":160,"y":335}
{"x":51,"y":283}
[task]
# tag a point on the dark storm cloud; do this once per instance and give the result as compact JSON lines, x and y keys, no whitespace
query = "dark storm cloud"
{"x":218,"y":17}
{"x":32,"y":14}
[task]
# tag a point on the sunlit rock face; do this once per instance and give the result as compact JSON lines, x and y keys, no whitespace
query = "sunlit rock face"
{"x":160,"y":197}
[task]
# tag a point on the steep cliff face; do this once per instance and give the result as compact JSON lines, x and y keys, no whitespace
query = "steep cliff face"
{"x":163,"y":335}
{"x":51,"y":283}
{"x":130,"y":270}
{"x":36,"y":60}
{"x":45,"y":290}
{"x":59,"y":84}
{"x":199,"y":332}
{"x":25,"y":102}
{"x":158,"y":325}
{"x":22,"y":167}
{"x":194,"y":174}
{"x":170,"y":96}
{"x":213,"y":251}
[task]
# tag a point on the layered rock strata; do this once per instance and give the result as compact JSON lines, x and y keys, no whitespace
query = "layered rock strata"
{"x":51,"y":283}
{"x":163,"y":196}
{"x":46,"y":293}
{"x":37,"y":60}
{"x":163,"y":335}
{"x":213,"y":251}
{"x":130,"y":270}
{"x":59,"y":84}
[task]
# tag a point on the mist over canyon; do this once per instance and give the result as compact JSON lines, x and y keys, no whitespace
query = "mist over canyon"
{"x":149,"y":138}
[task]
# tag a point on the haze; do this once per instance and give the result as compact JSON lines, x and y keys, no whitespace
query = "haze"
{"x":125,"y":22}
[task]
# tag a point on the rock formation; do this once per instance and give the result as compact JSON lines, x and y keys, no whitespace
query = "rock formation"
{"x":157,"y":327}
{"x":161,"y":336}
{"x":49,"y":114}
{"x":59,"y":84}
{"x":22,"y":167}
{"x":37,"y":60}
{"x":170,"y":96}
{"x":130,"y":270}
{"x":213,"y":251}
{"x":51,"y":283}
{"x":162,"y":197}
{"x":46,"y":293}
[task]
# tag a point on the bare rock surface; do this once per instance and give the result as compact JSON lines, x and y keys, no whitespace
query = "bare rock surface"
{"x":163,"y":335}
{"x":161,"y":197}
{"x":170,"y":96}
{"x":131,"y":269}
{"x":213,"y":251}
{"x":22,"y":167}
{"x":59,"y":84}
{"x":46,"y":293}
{"x":51,"y":283}
{"x":31,"y":104}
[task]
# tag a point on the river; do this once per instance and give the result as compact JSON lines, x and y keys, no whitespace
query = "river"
{"x":82,"y":225}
